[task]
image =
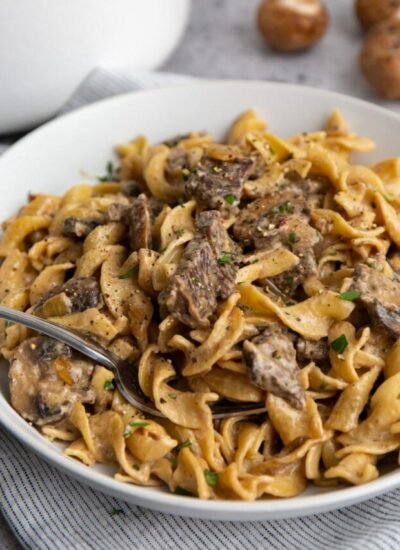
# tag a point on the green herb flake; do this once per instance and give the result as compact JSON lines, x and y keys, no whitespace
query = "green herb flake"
{"x":136,"y":467}
{"x":181,"y":491}
{"x":225,"y":258}
{"x":185,"y":174}
{"x":319,"y":236}
{"x":289,"y":279}
{"x":387,"y":199}
{"x":333,"y":253}
{"x":322,"y":386}
{"x":183,"y":445}
{"x":117,"y":511}
{"x":172,"y":396}
{"x":133,"y":425}
{"x":292,"y":237}
{"x":229,"y":199}
{"x":340,"y":344}
{"x":139,"y":424}
{"x":111,"y":173}
{"x":285,"y":207}
{"x":211,"y":477}
{"x":132,"y":271}
{"x":109,"y":385}
{"x":350,"y":295}
{"x":180,"y":232}
{"x":174,"y":461}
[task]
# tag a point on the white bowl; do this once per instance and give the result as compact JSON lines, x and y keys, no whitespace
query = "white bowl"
{"x":48,"y":46}
{"x":50,"y":160}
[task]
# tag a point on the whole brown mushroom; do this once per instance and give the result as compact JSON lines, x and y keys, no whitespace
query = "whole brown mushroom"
{"x":370,"y":12}
{"x":292,"y":25}
{"x":380,"y":58}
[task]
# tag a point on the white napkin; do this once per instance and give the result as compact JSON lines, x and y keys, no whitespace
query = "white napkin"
{"x":46,"y":509}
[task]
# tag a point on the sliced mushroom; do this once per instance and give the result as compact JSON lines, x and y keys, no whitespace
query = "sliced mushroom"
{"x":271,"y":360}
{"x":46,"y":379}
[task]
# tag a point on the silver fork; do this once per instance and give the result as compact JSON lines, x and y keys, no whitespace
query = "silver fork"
{"x":129,"y":388}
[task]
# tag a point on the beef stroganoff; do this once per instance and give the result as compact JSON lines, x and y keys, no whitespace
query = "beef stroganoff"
{"x":259,"y":269}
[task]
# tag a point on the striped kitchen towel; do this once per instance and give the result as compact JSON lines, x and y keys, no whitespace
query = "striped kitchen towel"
{"x":48,"y":510}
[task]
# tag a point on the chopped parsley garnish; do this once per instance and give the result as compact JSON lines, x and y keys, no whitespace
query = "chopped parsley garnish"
{"x":180,"y":232}
{"x":108,"y":385}
{"x":174,"y":461}
{"x":136,"y":467}
{"x":230,"y":199}
{"x":139,"y":424}
{"x":117,"y":511}
{"x":133,"y":425}
{"x":282,"y":208}
{"x":211,"y":477}
{"x":111,"y":173}
{"x":172,"y":396}
{"x":289,"y":279}
{"x":350,"y":295}
{"x":387,"y":199}
{"x":132,"y":271}
{"x":333,"y":253}
{"x":292,"y":237}
{"x":322,"y":386}
{"x":340,"y":344}
{"x":225,"y":258}
{"x":319,"y":236}
{"x":185,"y":173}
{"x":181,"y":491}
{"x":183,"y":445}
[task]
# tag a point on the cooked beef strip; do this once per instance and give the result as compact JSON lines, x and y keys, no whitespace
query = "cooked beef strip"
{"x":116,"y":212}
{"x":289,"y":281}
{"x":39,"y":392}
{"x":313,"y":188}
{"x":260,"y":224}
{"x":177,"y":161}
{"x":216,"y":184}
{"x":206,"y":272}
{"x":139,"y":219}
{"x":381,"y":297}
{"x":271,"y":360}
{"x":79,"y":294}
{"x":78,"y":228}
{"x":281,"y":219}
{"x":308,"y":350}
{"x":131,"y":188}
{"x":226,"y":252}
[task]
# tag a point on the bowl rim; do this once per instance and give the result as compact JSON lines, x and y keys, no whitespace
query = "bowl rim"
{"x":271,"y":508}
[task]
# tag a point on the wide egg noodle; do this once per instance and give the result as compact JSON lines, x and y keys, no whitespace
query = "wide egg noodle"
{"x":350,"y":421}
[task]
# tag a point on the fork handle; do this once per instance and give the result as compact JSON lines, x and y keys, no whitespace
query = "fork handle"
{"x":66,"y":336}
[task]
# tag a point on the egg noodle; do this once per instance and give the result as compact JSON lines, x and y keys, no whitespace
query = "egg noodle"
{"x":259,"y":270}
